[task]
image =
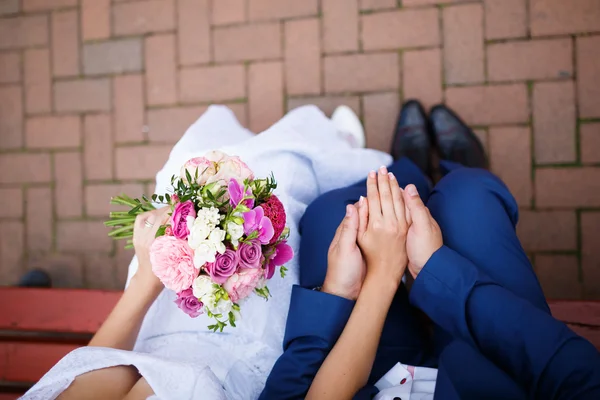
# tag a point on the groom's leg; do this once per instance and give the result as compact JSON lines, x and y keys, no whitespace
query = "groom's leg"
{"x":403,"y":338}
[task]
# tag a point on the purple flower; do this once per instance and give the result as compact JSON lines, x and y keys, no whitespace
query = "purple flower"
{"x":255,"y":221}
{"x":282,"y":253}
{"x":224,"y":266}
{"x":189,"y":303}
{"x":236,"y":194}
{"x":179,"y":219}
{"x":250,"y":254}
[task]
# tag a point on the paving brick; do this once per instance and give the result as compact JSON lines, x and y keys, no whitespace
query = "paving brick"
{"x":98,"y":146}
{"x":167,"y":125}
{"x":161,"y":78}
{"x":422,"y":76}
{"x":529,"y":60}
{"x":68,"y":181}
{"x":9,"y":7}
{"x":327,"y":104}
{"x":218,"y":83}
{"x":588,"y":76}
{"x":12,"y":203}
{"x":559,"y":276}
{"x":10,"y":67}
{"x":303,"y":57}
{"x":483,"y":136}
{"x":381,"y":112}
{"x":265,"y":94}
{"x":547,"y":230}
{"x":590,"y":143}
{"x":488,"y":105}
{"x":95,"y":19}
{"x":505,"y":19}
{"x":82,"y":95}
{"x":400,"y":29}
{"x":40,"y":228}
{"x":100,"y":271}
{"x":82,"y":236}
{"x":362,"y":72}
{"x":43,"y":5}
{"x":97,"y":197}
{"x":280,"y":9}
{"x":376,"y":4}
{"x":65,"y":43}
{"x":112,"y":57}
{"x":463,"y":44}
{"x":12,"y":244}
{"x":590,"y":253}
{"x":567,"y":187}
{"x":241,"y":112}
{"x":25,"y":31}
{"x":554,"y":122}
{"x":340,"y":25}
{"x":38,"y":81}
{"x":510,"y":159}
{"x":24,"y":168}
{"x":11,"y":117}
{"x":66,"y":270}
{"x":557,"y":17}
{"x":140,"y":17}
{"x":228,"y":11}
{"x":412,"y":3}
{"x":49,"y":132}
{"x":128,"y":92}
{"x":193,"y":31}
{"x":247,"y":42}
{"x":140,"y":162}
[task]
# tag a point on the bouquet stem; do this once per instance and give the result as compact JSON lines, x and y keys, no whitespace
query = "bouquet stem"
{"x":122,"y":222}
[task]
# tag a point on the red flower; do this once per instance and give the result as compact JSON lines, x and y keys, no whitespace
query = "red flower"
{"x":276,"y":213}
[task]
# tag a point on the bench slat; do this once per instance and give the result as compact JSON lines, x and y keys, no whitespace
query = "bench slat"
{"x":28,"y":362}
{"x":52,"y":310}
{"x":577,"y":312}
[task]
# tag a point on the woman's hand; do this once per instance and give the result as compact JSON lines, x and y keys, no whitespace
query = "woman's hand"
{"x":345,"y":264}
{"x":383,"y":228}
{"x":144,"y":232}
{"x":424,"y":235}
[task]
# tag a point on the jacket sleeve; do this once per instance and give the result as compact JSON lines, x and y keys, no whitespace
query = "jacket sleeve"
{"x":539,"y":352}
{"x":315,"y":322}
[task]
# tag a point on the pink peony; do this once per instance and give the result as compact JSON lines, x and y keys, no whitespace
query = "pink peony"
{"x":242,"y":284}
{"x":183,"y":215}
{"x":216,"y":156}
{"x":282,"y":253}
{"x":189,"y":303}
{"x":276,"y":213}
{"x":169,"y":230}
{"x":173,"y":262}
{"x":231,"y":167}
{"x":206,"y":169}
{"x":236,"y":194}
{"x":223,"y":267}
{"x":255,"y":221}
{"x":250,"y":254}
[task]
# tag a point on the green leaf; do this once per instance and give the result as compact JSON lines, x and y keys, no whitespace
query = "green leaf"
{"x":135,"y":209}
{"x":154,"y":197}
{"x":168,"y":197}
{"x":282,"y":271}
{"x":161,"y":231}
{"x":188,"y":176}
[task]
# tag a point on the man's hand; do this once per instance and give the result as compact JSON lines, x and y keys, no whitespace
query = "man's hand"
{"x":346,"y":267}
{"x":424,"y":235}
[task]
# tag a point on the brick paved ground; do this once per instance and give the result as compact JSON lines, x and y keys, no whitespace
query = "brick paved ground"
{"x":93,"y":93}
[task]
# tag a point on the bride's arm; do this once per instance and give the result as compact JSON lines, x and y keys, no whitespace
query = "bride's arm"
{"x":121,"y":328}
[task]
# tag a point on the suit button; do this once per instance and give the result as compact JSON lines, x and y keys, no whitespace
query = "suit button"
{"x":403,"y":381}
{"x":397,"y":398}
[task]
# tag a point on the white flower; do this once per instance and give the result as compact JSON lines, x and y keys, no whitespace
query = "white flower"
{"x":235,"y":231}
{"x":205,"y":252}
{"x":222,"y":307}
{"x":210,"y":216}
{"x":216,"y":238}
{"x":203,"y":286}
{"x":199,"y":231}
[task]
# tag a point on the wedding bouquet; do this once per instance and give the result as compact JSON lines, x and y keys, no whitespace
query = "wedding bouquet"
{"x":225,"y":238}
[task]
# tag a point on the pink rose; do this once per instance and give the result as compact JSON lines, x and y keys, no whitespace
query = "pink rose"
{"x":282,"y":253}
{"x":223,"y":267}
{"x":229,"y":168}
{"x":173,"y":262}
{"x":206,"y":169}
{"x":250,"y":254}
{"x":241,"y":285}
{"x":183,"y":215}
{"x":189,"y":303}
{"x":215,"y":156}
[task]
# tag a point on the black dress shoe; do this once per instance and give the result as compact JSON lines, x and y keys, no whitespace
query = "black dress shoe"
{"x":455,"y":140}
{"x":412,"y":137}
{"x":35,"y":278}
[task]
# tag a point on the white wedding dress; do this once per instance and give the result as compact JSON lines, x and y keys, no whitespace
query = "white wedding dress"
{"x":176,"y":354}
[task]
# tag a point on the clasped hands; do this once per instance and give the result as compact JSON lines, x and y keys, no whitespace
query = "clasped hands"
{"x":380,"y":237}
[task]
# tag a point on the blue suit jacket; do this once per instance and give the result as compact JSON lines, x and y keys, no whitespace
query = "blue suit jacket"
{"x":504,"y":347}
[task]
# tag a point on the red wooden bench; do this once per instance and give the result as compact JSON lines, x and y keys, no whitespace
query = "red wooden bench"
{"x":39,"y":326}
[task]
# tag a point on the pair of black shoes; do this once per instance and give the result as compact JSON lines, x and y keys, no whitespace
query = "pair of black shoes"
{"x":417,"y":136}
